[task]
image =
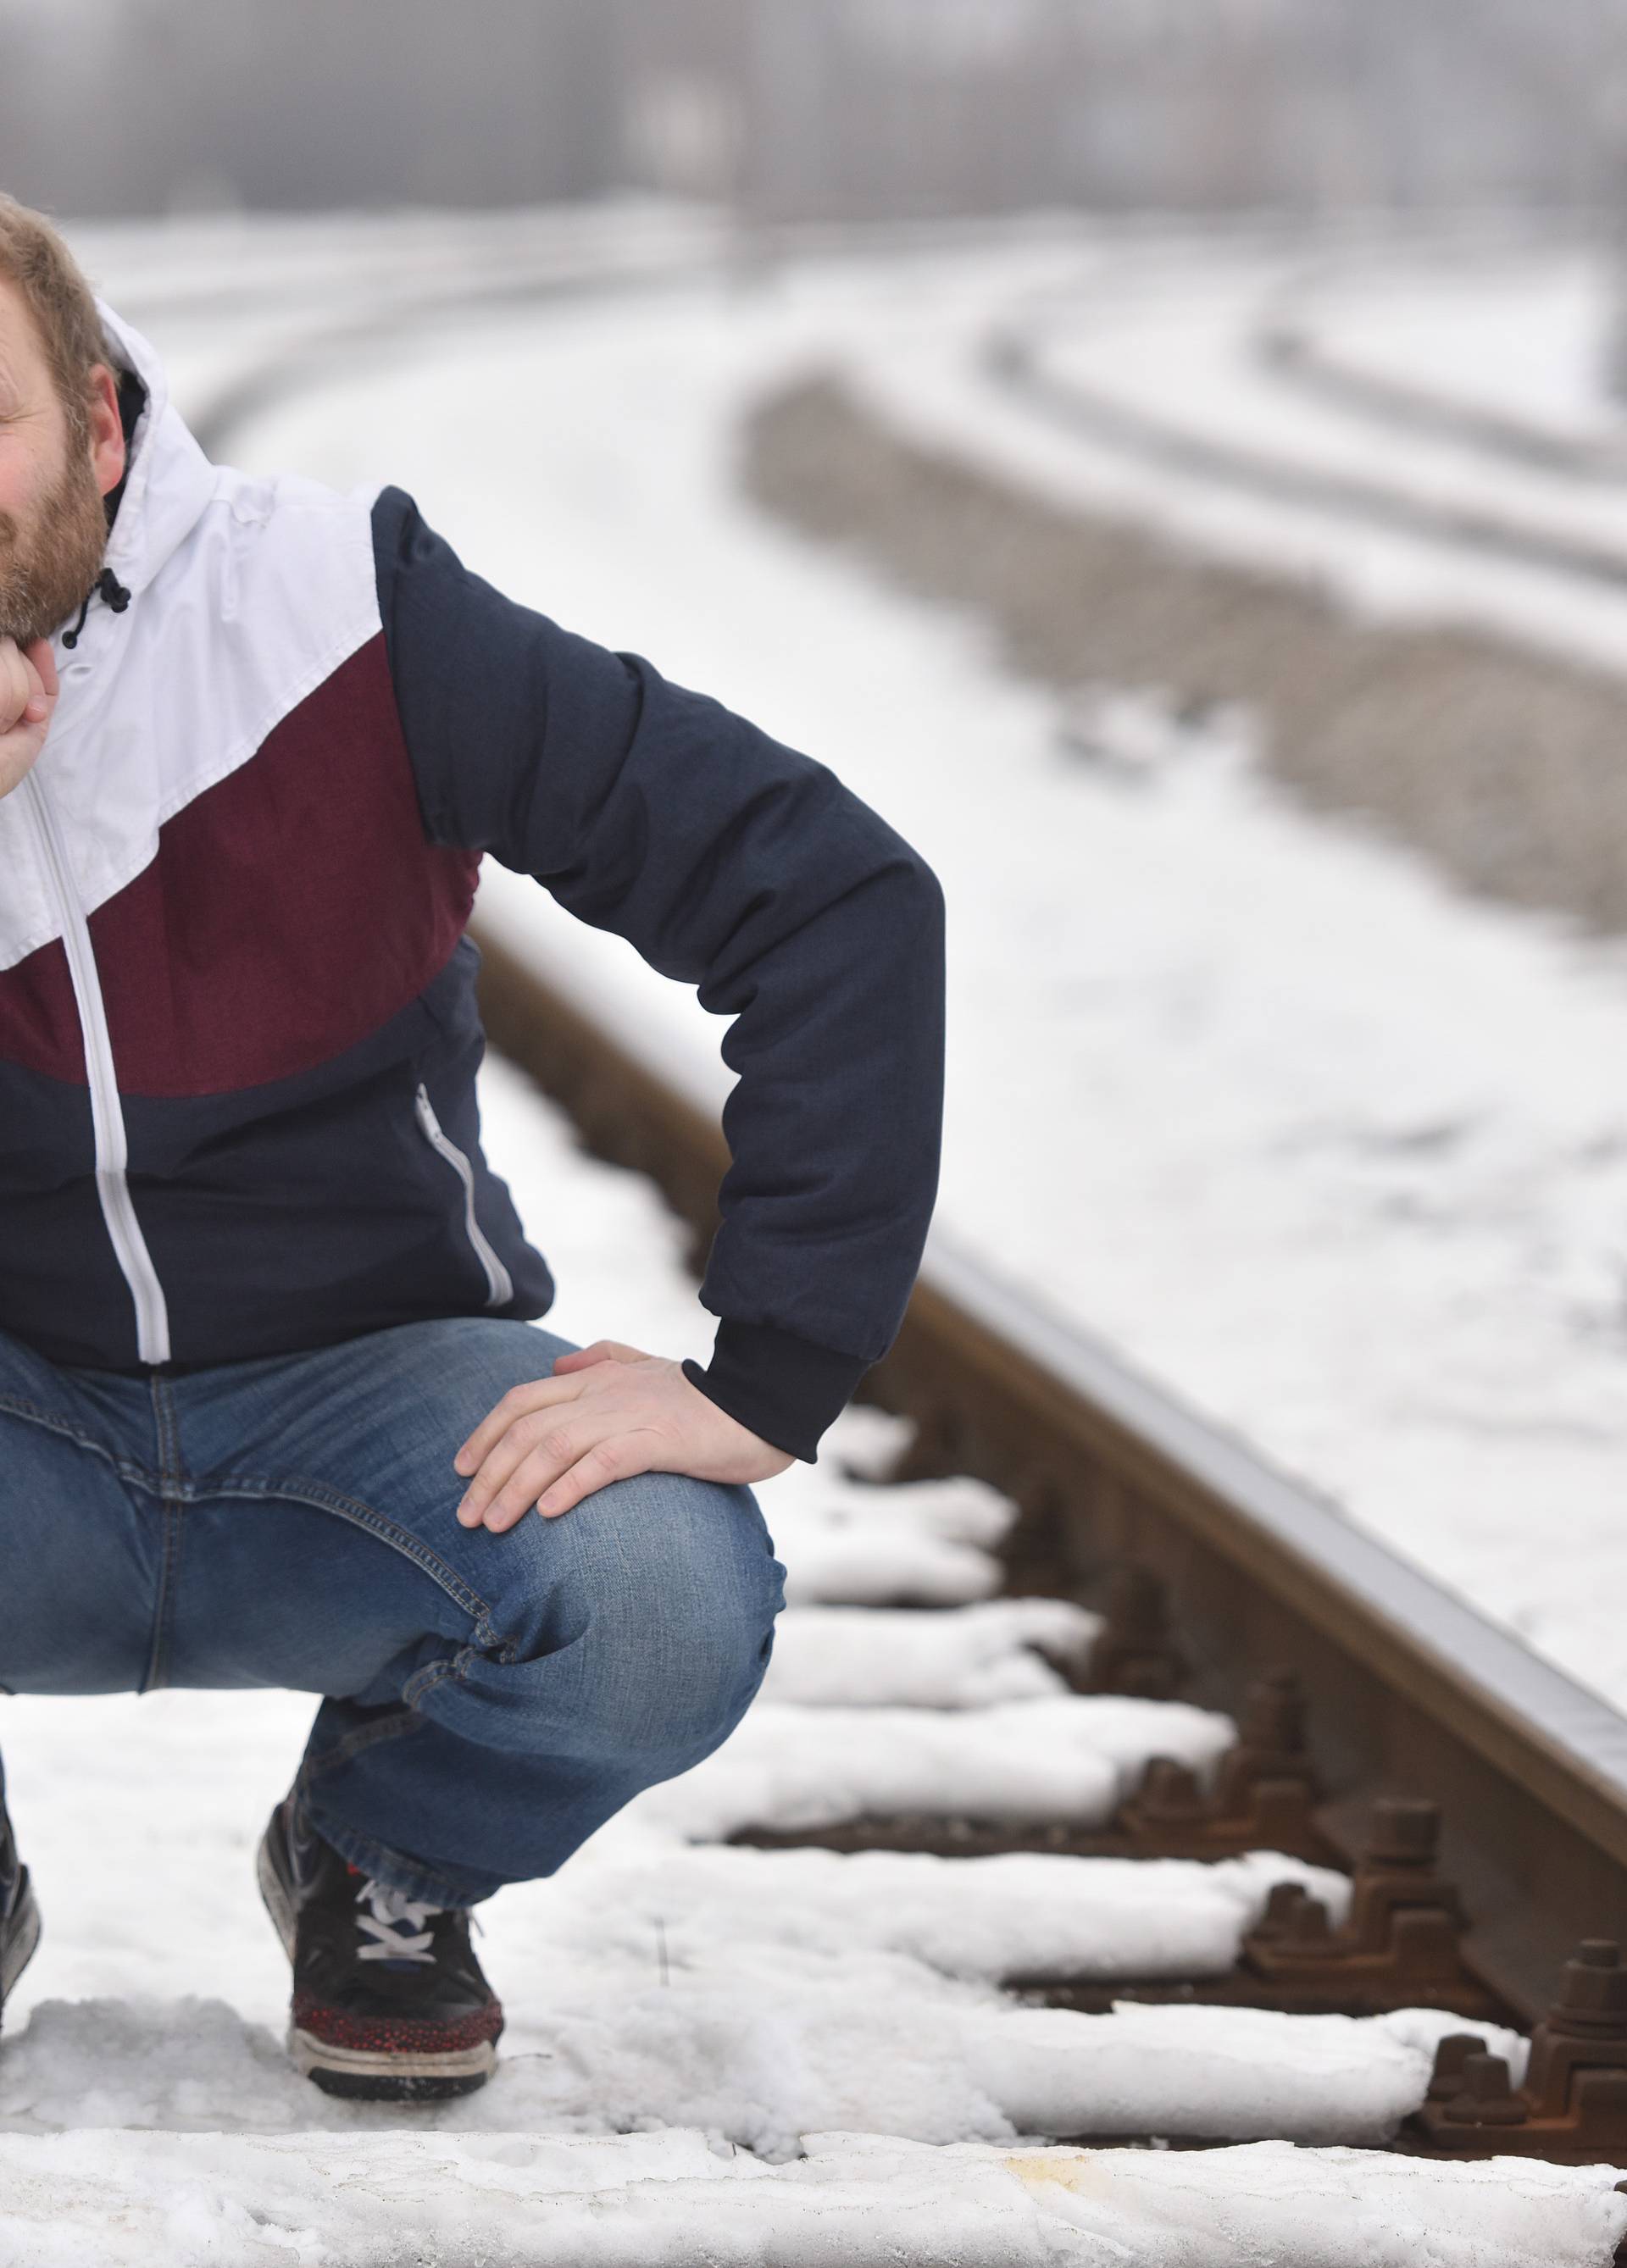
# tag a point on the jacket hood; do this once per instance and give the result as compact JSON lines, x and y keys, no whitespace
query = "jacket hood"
{"x":169,"y":480}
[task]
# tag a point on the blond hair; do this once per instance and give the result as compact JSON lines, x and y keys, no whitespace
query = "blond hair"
{"x":34,"y":259}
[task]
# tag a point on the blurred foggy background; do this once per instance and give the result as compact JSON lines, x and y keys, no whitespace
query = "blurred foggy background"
{"x":813,"y":108}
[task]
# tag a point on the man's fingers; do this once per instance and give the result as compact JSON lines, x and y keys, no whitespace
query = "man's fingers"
{"x":535,"y":1436}
{"x":15,"y":684}
{"x":601,"y":1350}
{"x":616,"y":1458}
{"x":581,"y":1447}
{"x":548,"y":1439}
{"x":44,"y":662}
{"x":494,"y":1472}
{"x":28,"y":684}
{"x":518,"y":1402}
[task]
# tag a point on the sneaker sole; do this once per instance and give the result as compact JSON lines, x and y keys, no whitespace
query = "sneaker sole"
{"x":374,"y":2076}
{"x":21,"y":1945}
{"x":368,"y":2075}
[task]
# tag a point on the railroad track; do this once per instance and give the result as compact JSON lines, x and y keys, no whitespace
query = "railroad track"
{"x":1014,"y":357}
{"x":1285,"y":343}
{"x":1292,"y":350}
{"x":1477,"y":1795}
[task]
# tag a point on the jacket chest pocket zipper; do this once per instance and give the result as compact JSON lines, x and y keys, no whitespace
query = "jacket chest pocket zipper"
{"x":499,"y":1284}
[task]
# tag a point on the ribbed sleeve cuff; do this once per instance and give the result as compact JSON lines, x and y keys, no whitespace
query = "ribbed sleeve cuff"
{"x":782,"y":1387}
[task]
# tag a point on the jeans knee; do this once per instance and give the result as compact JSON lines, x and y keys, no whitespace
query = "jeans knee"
{"x":658,"y":1616}
{"x":682,"y":1623}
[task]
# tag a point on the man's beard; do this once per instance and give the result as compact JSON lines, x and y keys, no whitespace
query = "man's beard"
{"x":47,"y":568}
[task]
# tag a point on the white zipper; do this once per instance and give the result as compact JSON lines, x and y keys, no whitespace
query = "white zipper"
{"x":152,"y":1331}
{"x":500,"y":1282}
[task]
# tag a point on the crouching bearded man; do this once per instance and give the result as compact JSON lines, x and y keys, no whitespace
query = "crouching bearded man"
{"x":273,"y":1408}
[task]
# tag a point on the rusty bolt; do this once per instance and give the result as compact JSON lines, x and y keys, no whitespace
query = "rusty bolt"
{"x":1280,"y":1905}
{"x":1487,"y":2098}
{"x":1451,"y":2055}
{"x":1308,"y":1923}
{"x":1593,"y":1991}
{"x":1168,"y":1785}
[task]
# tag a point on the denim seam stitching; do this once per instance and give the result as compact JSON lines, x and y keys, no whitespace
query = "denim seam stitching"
{"x":125,"y":1467}
{"x":350,"y":1508}
{"x":355,"y":1744}
{"x":375,"y":1523}
{"x":172,"y":1492}
{"x":433,"y":1673}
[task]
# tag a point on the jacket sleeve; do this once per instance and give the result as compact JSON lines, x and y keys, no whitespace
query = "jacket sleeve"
{"x":735,"y":865}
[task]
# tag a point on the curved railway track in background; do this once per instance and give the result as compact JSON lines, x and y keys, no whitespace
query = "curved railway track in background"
{"x":1013,"y":355}
{"x":1498,"y":1843}
{"x":1291,"y":349}
{"x":1285,"y":342}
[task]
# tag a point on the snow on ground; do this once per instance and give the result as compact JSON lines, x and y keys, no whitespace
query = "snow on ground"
{"x":924,"y":366}
{"x":1178,"y":345}
{"x":1001,"y":1652}
{"x":1027,"y":1763}
{"x":1527,"y":337}
{"x":928,"y":1543}
{"x":1337,"y":1155}
{"x":1024,"y":1915}
{"x":668,"y":2201}
{"x":703,"y":2003}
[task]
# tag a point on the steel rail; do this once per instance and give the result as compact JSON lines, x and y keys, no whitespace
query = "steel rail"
{"x":1285,"y":341}
{"x":1410,"y":1692}
{"x":1296,"y":355}
{"x":1013,"y":358}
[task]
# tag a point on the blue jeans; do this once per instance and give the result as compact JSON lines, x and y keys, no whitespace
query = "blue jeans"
{"x":490,"y":1699}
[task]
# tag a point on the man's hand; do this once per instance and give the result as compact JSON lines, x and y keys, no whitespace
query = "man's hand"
{"x":608,"y":1412}
{"x":28,"y":690}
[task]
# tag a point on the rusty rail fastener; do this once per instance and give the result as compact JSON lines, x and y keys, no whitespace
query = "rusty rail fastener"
{"x":1572,"y":2107}
{"x":1399,"y":1948}
{"x":1265,"y":1793}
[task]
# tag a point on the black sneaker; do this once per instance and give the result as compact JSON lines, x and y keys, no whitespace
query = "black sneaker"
{"x":19,"y":1916}
{"x":389,"y":2002}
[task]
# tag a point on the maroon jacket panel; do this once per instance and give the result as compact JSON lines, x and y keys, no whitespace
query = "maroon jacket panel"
{"x":291,"y":909}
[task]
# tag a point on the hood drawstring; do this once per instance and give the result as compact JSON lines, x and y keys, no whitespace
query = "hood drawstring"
{"x":112,"y":592}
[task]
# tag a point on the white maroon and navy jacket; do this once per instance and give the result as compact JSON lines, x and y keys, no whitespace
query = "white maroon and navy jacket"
{"x":238,"y":1028}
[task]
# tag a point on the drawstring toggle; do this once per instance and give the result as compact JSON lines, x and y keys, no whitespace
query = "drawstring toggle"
{"x":113,"y":594}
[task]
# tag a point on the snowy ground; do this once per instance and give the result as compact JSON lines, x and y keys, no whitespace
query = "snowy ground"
{"x":669,"y":2201}
{"x":718,"y":2054}
{"x":1525,"y":336}
{"x":1340,"y":1157}
{"x":1175,"y":341}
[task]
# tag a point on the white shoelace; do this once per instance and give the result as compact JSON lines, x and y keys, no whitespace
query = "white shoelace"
{"x":390,"y":1909}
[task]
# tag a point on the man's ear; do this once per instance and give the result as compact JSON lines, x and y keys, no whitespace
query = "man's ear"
{"x":107,"y":429}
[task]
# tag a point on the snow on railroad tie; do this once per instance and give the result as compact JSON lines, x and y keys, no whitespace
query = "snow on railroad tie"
{"x":856,"y":1542}
{"x":1019,"y":1915}
{"x":758,"y":2044}
{"x":670,"y":2201}
{"x":1067,"y":1760}
{"x":959,"y":1658}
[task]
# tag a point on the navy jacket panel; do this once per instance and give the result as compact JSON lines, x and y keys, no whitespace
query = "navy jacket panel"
{"x":736,"y":864}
